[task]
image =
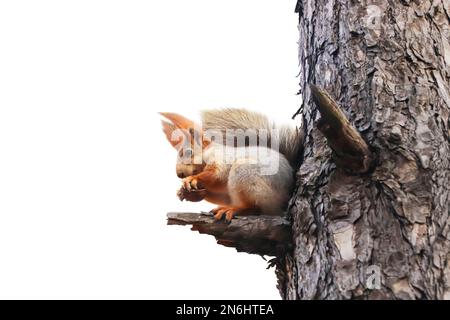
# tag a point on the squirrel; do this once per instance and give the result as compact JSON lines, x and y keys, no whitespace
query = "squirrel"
{"x":253,"y":176}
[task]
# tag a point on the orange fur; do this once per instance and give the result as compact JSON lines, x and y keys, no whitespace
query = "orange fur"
{"x":247,"y":206}
{"x":208,"y":179}
{"x":221,"y":199}
{"x":230,"y":211}
{"x":185,"y":124}
{"x":179,"y":121}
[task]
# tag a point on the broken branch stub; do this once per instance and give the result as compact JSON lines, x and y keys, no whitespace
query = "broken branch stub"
{"x":262,"y":235}
{"x":350,"y":151}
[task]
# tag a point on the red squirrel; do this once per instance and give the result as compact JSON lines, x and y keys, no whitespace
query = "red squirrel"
{"x":250,"y":178}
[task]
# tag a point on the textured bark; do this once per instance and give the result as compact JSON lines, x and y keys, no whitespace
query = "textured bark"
{"x":350,"y":151}
{"x":387,"y":64}
{"x":263,"y":235}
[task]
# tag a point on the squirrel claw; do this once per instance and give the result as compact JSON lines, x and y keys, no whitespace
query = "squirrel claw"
{"x":228,"y":212}
{"x":190,"y":183}
{"x":218,"y":213}
{"x":229,"y":215}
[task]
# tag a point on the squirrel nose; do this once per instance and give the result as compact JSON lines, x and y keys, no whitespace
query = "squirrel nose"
{"x":180,"y":175}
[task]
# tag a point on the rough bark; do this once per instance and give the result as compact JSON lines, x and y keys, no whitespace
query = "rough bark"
{"x":387,"y":64}
{"x":262,"y":235}
{"x":350,"y":151}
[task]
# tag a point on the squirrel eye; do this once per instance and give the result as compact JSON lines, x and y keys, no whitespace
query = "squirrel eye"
{"x":188,"y":152}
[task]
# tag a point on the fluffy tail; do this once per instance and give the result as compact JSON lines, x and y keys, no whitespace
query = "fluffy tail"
{"x":290,"y":139}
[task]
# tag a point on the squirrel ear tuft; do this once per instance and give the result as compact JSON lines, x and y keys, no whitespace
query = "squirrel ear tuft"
{"x":178,"y":120}
{"x":189,"y":128}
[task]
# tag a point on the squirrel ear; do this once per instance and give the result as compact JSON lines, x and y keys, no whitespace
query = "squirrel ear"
{"x":190,"y":129}
{"x":205,"y":142}
{"x":179,"y":121}
{"x":173,"y":134}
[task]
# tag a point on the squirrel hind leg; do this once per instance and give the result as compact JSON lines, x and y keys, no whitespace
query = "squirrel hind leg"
{"x":251,"y":198}
{"x":249,"y":187}
{"x":230,"y":211}
{"x":257,"y":196}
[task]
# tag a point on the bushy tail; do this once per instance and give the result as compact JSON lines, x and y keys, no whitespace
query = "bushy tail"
{"x":290,"y":139}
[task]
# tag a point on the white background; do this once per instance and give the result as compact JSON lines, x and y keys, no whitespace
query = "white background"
{"x":86,"y":176}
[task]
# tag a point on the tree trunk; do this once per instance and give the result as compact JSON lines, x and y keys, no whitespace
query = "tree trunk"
{"x":383,"y":234}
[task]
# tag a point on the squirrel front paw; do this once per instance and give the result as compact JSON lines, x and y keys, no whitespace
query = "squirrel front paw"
{"x":190,"y":183}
